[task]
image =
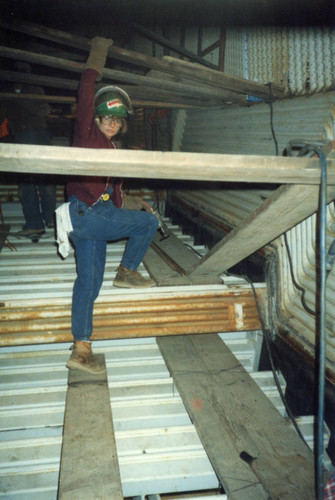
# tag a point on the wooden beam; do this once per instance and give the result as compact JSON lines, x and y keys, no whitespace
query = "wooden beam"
{"x":122,"y":76}
{"x":232,"y":415}
{"x":89,"y":465}
{"x":43,"y":80}
{"x":171,"y":65}
{"x":7,"y":96}
{"x":142,"y":102}
{"x":140,"y":95}
{"x":288,"y":206}
{"x":162,"y":165}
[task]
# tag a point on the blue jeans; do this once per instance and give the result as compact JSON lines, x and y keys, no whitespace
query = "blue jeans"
{"x":93,"y":227}
{"x":36,"y":192}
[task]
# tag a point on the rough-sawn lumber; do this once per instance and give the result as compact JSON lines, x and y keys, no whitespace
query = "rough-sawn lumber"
{"x":89,"y":465}
{"x":162,"y":165}
{"x":232,"y":415}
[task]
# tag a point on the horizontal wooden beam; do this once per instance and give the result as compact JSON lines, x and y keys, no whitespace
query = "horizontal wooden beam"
{"x":162,"y":165}
{"x":120,"y":76}
{"x":140,"y":95}
{"x":168,"y":65}
{"x":285,"y":208}
{"x":137,"y":102}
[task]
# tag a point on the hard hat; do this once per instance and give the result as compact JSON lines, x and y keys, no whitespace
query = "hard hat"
{"x":112,"y":100}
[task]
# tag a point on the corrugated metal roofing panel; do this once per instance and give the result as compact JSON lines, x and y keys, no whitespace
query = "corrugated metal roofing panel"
{"x":301,"y":58}
{"x":246,"y":130}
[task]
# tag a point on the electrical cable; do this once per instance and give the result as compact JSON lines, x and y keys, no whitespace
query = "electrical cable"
{"x":268,"y":349}
{"x":295,"y":283}
{"x":271,"y":117}
{"x":313,"y":149}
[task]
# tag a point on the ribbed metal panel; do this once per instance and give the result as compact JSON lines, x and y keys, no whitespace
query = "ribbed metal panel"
{"x":158,"y":447}
{"x":246,"y":130}
{"x":301,"y":58}
{"x":302,"y":244}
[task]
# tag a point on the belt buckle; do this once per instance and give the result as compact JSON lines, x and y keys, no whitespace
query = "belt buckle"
{"x":105,"y":197}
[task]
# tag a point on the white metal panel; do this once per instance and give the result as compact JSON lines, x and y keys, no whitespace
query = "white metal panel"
{"x":300,"y":58}
{"x":302,"y":247}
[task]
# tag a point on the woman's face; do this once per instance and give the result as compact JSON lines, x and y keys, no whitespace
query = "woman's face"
{"x":109,"y":125}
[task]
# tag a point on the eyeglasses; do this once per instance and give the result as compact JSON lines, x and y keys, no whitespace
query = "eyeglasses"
{"x":108,"y":120}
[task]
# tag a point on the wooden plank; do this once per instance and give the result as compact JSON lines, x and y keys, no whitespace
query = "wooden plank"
{"x":169,"y":261}
{"x":121,"y":76}
{"x":89,"y":465}
{"x":231,"y":414}
{"x":162,"y":165}
{"x":7,"y":96}
{"x":288,"y":206}
{"x":266,"y":469}
{"x":171,"y":65}
{"x":161,"y":272}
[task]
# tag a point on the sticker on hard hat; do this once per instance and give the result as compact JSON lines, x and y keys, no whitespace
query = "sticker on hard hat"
{"x":114,"y":103}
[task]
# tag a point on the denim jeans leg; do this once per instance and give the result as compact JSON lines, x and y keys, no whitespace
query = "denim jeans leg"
{"x":104,"y":221}
{"x":29,"y":199}
{"x":90,"y":257}
{"x":139,"y":240}
{"x":48,"y":201}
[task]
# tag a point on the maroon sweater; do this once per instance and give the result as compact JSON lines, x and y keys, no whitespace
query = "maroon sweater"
{"x":88,"y":135}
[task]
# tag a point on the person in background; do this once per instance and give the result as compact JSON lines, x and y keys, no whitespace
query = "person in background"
{"x":96,"y":210}
{"x":27,"y":125}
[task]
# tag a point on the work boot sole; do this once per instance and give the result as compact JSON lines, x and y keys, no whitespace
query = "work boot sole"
{"x":125,"y":284}
{"x":94,"y":369}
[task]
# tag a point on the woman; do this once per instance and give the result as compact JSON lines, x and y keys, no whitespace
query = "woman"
{"x":95,"y":208}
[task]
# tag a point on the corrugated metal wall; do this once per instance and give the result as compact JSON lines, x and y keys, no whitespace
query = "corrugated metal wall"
{"x":301,"y":58}
{"x":246,"y":130}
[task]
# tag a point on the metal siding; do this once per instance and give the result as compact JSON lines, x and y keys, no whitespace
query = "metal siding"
{"x":301,"y":58}
{"x":247,"y":131}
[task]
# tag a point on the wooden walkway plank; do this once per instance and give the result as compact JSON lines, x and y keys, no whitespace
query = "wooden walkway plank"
{"x":232,"y":415}
{"x":89,"y":465}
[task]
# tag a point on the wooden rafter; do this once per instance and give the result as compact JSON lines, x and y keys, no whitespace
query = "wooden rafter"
{"x":213,"y":78}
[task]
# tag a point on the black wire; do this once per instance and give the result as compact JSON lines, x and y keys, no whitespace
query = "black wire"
{"x":313,"y":149}
{"x":295,"y":283}
{"x":271,"y":117}
{"x":268,"y":348}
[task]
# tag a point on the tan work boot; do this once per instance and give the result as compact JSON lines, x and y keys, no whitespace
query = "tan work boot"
{"x":82,"y":358}
{"x":131,"y":279}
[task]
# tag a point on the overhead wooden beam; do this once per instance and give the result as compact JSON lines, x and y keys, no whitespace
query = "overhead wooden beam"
{"x":140,"y":95}
{"x":43,"y":80}
{"x":288,"y":206}
{"x":162,"y":165}
{"x":168,"y":65}
{"x":122,"y":76}
{"x":144,"y":102}
{"x":8,"y":96}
